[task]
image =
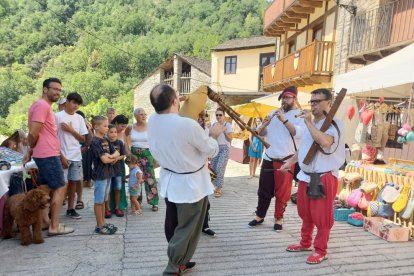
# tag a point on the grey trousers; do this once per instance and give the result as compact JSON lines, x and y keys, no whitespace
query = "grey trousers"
{"x":182,"y":245}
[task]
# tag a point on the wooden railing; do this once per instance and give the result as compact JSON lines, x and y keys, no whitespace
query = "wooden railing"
{"x":169,"y":79}
{"x":315,"y":59}
{"x":185,"y":83}
{"x":274,"y":11}
{"x":389,"y":24}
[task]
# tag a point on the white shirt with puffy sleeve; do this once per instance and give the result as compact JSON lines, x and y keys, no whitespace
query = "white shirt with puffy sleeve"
{"x":180,"y":144}
{"x":321,"y":162}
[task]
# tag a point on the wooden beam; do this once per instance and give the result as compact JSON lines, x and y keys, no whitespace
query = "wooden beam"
{"x":385,"y":53}
{"x":313,"y":4}
{"x":283,"y":24}
{"x":293,"y":14}
{"x":357,"y":60}
{"x":303,"y":9}
{"x":370,"y":57}
{"x":290,"y":20}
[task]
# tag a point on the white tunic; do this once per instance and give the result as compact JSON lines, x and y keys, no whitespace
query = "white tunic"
{"x":278,"y":136}
{"x":181,"y":145}
{"x":321,"y":162}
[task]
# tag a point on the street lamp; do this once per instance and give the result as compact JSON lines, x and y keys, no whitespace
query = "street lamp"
{"x":350,"y":8}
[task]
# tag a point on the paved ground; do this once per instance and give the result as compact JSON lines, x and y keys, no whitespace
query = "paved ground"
{"x":139,"y":247}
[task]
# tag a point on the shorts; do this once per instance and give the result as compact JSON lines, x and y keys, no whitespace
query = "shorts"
{"x":74,"y":172}
{"x":116,"y":183}
{"x":101,"y":190}
{"x":50,"y":172}
{"x":135,"y":192}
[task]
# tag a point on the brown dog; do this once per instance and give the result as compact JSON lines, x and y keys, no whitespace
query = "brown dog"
{"x":26,"y":210}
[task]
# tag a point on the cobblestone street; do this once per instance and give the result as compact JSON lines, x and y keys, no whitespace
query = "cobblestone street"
{"x":139,"y":247}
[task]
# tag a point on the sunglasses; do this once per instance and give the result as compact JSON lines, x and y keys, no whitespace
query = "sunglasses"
{"x":219,"y":115}
{"x":311,"y":102}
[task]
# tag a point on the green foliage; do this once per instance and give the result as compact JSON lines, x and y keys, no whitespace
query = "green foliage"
{"x":102,"y":49}
{"x":17,"y":118}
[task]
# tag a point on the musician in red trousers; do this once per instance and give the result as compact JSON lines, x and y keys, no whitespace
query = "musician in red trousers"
{"x":318,"y":180}
{"x":280,"y":129}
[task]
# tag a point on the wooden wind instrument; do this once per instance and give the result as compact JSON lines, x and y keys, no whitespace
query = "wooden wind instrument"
{"x":216,"y":98}
{"x":328,"y":120}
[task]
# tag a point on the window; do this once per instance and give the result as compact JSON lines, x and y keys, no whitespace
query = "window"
{"x":230,"y":65}
{"x":266,"y":59}
{"x":317,"y":33}
{"x":292,"y":46}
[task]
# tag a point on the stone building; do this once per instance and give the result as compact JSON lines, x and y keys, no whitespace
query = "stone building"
{"x":184,"y":73}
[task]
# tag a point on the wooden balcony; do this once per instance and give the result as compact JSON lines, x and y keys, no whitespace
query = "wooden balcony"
{"x":283,"y":15}
{"x":313,"y":64}
{"x":381,"y":31}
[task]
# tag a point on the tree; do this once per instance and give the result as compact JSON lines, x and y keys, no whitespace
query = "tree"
{"x":17,"y":118}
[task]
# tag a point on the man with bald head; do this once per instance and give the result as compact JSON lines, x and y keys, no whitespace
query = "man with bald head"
{"x":184,"y":177}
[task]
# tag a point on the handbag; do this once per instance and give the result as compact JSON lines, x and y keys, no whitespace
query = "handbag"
{"x":408,"y":211}
{"x":400,"y":203}
{"x":354,"y":197}
{"x":385,"y":210}
{"x":389,"y":193}
{"x":361,"y":133}
{"x":365,"y":201}
{"x":344,"y":193}
{"x":368,"y":187}
{"x":372,"y":210}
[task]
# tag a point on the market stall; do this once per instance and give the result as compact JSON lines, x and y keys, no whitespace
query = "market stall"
{"x":379,"y":124}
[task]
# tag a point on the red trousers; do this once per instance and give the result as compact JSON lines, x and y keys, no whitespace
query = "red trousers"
{"x":274,"y":184}
{"x":317,"y":212}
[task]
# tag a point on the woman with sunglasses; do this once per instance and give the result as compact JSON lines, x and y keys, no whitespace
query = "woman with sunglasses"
{"x":219,"y":162}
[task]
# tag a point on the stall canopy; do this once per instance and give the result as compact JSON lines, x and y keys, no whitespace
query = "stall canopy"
{"x":391,"y":76}
{"x":253,"y":109}
{"x":303,"y":99}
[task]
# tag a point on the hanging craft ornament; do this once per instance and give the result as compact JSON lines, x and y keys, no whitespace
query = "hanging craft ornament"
{"x":351,"y":112}
{"x":410,"y":136}
{"x":381,"y":100}
{"x":361,"y":103}
{"x":366,"y":116}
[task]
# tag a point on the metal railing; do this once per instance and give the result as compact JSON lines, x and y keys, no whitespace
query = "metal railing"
{"x":384,"y":26}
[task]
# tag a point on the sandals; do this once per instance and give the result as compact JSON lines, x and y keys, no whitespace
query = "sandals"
{"x":218,"y":193}
{"x":137,"y":212}
{"x":155,"y":208}
{"x":79,"y":205}
{"x":297,"y":248}
{"x":107,"y":229}
{"x":61,"y":230}
{"x":316,"y":259}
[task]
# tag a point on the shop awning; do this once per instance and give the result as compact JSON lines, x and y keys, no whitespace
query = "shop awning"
{"x":391,"y":76}
{"x":303,"y":99}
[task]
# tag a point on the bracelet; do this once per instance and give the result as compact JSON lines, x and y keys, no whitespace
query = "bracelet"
{"x":286,"y":121}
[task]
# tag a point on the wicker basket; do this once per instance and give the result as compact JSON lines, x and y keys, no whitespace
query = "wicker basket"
{"x":341,"y":214}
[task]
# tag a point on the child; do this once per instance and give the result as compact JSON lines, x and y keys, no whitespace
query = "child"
{"x":103,"y":155}
{"x":134,"y":183}
{"x":116,"y":181}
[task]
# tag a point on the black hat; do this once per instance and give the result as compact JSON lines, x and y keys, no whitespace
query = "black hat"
{"x":292,"y":90}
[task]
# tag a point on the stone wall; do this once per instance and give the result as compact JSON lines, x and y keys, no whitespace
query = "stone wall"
{"x":141,"y":93}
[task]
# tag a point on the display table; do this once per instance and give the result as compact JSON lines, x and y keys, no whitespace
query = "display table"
{"x":4,"y":185}
{"x":379,"y":175}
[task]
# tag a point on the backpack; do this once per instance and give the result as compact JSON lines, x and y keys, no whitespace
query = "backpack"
{"x":17,"y":185}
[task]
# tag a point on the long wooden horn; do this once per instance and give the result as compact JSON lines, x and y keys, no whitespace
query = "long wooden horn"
{"x":233,"y":114}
